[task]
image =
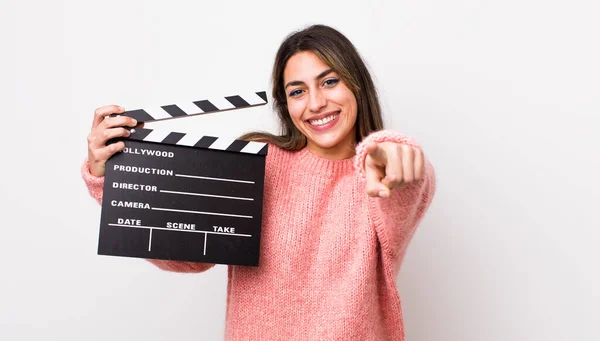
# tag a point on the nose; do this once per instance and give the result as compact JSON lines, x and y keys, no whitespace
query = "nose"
{"x":316,"y":100}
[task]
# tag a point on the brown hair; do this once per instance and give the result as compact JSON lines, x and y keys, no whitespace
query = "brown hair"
{"x":335,"y":50}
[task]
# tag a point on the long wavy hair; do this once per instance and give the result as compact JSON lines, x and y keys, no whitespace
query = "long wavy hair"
{"x":335,"y":50}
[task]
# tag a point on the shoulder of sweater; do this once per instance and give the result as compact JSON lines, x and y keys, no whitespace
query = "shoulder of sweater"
{"x":274,"y":151}
{"x":275,"y":155}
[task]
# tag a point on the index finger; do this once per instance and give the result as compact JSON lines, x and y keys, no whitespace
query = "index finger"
{"x":377,"y":153}
{"x":102,"y":112}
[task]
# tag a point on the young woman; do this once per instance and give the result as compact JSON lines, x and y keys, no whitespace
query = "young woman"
{"x":342,"y":199}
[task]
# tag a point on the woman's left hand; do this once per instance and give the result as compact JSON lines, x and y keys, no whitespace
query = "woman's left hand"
{"x":389,"y":165}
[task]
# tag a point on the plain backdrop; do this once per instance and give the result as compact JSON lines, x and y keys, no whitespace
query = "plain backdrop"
{"x":502,"y":95}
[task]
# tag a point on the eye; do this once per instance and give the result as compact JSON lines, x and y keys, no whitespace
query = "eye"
{"x":330,"y":82}
{"x":295,"y":93}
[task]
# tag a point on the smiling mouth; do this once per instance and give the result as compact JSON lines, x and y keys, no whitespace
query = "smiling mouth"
{"x":324,"y":120}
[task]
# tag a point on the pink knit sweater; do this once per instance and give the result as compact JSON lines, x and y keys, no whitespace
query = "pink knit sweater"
{"x":330,"y":254}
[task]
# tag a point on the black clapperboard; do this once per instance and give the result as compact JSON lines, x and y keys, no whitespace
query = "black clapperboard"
{"x":184,"y":196}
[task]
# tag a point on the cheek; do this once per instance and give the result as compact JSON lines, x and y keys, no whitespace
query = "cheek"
{"x":345,"y":97}
{"x":295,"y":109}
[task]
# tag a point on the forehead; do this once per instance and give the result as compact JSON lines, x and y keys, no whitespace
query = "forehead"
{"x":303,"y":66}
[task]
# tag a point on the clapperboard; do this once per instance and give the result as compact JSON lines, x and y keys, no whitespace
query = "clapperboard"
{"x":185,"y":196}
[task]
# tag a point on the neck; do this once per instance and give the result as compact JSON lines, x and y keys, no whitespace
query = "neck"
{"x":345,"y":149}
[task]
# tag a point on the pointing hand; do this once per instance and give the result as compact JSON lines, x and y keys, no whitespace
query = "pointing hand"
{"x":389,"y":165}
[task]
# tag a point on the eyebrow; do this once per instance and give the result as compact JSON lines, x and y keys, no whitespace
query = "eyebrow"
{"x":321,"y":75}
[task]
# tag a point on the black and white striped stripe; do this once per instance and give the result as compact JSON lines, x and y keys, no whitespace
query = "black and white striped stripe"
{"x":198,"y":107}
{"x":198,"y":141}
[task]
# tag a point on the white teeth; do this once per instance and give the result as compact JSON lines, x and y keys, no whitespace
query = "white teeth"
{"x":323,"y":120}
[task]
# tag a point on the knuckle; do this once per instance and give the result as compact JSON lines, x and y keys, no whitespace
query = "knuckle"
{"x":95,"y":154}
{"x":398,"y":152}
{"x":102,"y":111}
{"x":102,"y":124}
{"x":121,"y":120}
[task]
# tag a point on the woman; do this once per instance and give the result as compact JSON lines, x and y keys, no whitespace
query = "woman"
{"x":342,"y":199}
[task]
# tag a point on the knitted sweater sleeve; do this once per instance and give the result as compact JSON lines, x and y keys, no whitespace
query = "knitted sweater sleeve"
{"x":396,"y":218}
{"x":95,"y":185}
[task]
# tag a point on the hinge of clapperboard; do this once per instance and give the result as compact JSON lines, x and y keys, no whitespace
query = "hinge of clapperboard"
{"x":201,"y":107}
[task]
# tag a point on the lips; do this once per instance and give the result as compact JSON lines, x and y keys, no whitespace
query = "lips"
{"x":323,"y":122}
{"x":323,"y":119}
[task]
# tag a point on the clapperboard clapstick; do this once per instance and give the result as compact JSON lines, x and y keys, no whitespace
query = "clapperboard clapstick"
{"x":184,"y":196}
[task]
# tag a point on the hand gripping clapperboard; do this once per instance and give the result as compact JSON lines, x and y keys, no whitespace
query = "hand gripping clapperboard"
{"x":184,"y":196}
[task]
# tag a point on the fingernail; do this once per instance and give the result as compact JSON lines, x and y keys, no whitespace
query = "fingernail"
{"x":120,"y":107}
{"x":134,"y":121}
{"x":383,"y":194}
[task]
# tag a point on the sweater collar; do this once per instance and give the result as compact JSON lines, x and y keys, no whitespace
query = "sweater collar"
{"x":315,"y":164}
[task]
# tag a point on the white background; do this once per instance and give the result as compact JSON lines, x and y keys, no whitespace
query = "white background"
{"x":503,"y":95}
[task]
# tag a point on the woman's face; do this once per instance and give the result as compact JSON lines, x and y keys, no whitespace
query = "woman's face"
{"x":321,"y":106}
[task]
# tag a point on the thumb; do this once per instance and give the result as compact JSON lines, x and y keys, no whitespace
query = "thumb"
{"x":375,"y":188}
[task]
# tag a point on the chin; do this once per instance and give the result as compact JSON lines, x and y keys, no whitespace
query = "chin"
{"x":333,"y":141}
{"x":327,"y":144}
